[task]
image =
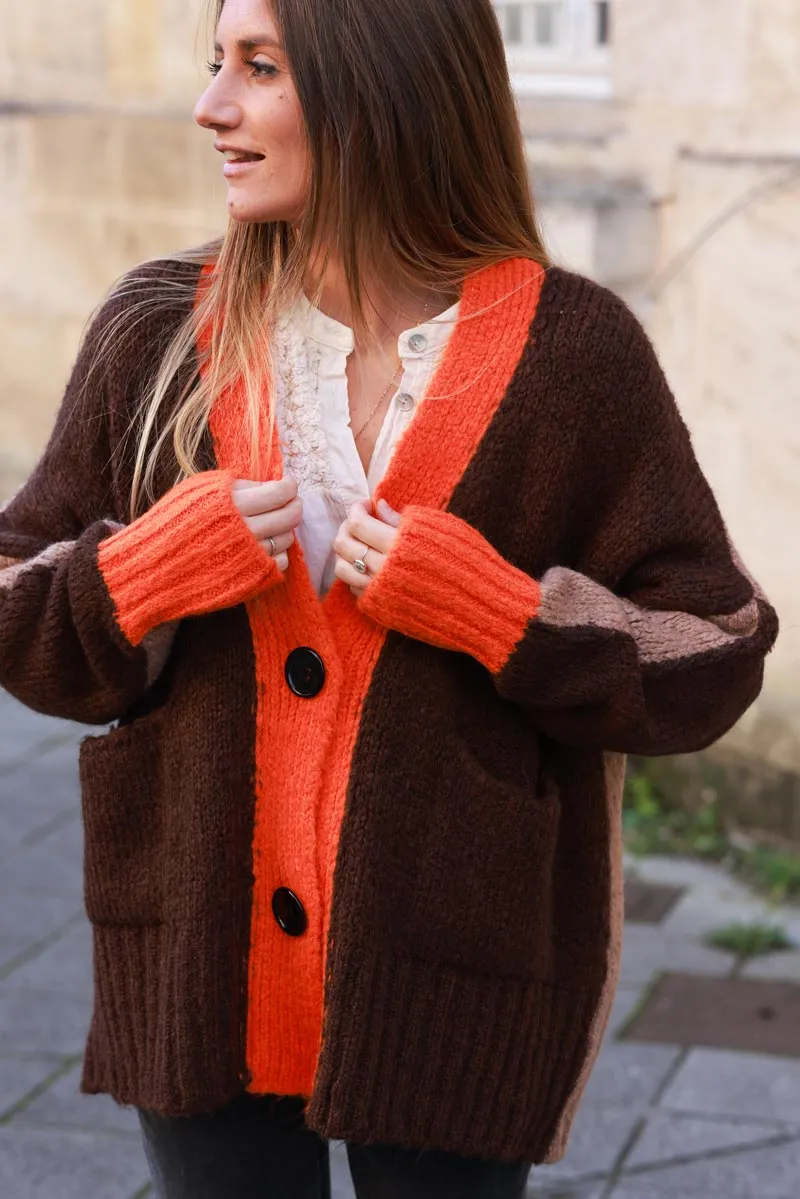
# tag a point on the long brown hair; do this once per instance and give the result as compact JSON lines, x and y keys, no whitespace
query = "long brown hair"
{"x":416,"y":159}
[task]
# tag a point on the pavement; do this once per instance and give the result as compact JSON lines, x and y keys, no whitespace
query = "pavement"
{"x":659,"y":1120}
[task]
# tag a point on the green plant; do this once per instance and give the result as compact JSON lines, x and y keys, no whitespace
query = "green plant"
{"x":650,"y":827}
{"x":749,"y":940}
{"x":775,"y":871}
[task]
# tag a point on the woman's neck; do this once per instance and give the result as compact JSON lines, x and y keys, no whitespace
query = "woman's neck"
{"x":390,"y":310}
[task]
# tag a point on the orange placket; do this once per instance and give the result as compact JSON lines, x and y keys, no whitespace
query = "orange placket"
{"x":304,"y":747}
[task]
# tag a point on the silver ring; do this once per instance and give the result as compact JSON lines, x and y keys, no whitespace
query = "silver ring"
{"x":360,"y":565}
{"x":272,"y":546}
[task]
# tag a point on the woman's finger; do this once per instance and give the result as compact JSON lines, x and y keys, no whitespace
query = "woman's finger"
{"x":387,"y":513}
{"x":253,"y":499}
{"x":282,"y":520}
{"x":348,"y":548}
{"x":277,"y":545}
{"x":349,"y":575}
{"x":376,"y":533}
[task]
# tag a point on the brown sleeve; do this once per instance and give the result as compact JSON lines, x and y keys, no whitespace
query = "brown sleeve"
{"x":62,"y":651}
{"x":89,"y":604}
{"x":654,"y":643}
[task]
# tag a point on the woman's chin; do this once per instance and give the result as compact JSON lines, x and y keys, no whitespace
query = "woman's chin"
{"x":247,"y":208}
{"x":242,"y":207}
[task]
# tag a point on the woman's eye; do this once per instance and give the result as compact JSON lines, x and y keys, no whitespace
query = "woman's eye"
{"x":261,"y":69}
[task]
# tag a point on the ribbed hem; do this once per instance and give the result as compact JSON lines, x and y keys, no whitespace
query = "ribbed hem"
{"x":146,"y":1044}
{"x":426,"y":1056}
{"x":445,"y":584}
{"x":191,"y":553}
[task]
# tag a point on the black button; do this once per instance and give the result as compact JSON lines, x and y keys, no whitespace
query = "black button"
{"x":289,"y":912}
{"x":305,"y":672}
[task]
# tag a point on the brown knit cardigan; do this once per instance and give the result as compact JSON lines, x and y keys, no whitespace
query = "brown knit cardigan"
{"x":370,"y":851}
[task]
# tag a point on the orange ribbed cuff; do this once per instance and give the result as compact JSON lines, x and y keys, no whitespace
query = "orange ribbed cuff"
{"x":191,"y":553}
{"x":444,"y":583}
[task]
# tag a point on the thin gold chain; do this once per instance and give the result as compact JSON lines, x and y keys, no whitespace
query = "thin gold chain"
{"x":388,"y":388}
{"x":384,"y":394}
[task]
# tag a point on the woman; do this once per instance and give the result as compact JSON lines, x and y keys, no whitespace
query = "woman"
{"x":353,"y":845}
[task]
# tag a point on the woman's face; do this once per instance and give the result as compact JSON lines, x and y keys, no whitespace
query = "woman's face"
{"x":252,"y":106}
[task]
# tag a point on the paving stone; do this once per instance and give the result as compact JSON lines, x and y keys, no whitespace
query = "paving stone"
{"x":752,"y":1174}
{"x":50,"y":776}
{"x":54,"y":1165}
{"x":674,"y":871}
{"x":649,"y":903}
{"x":64,"y":967}
{"x":774,"y":965}
{"x":26,"y":918}
{"x":341,"y":1183}
{"x":10,"y":949}
{"x":647,"y":951}
{"x":559,"y":1188}
{"x":627,"y":1075}
{"x":626,"y":1000}
{"x":669,"y":1136}
{"x":789,"y":920}
{"x":23,"y":731}
{"x":599,"y":1134}
{"x":53,"y":867}
{"x":30,"y":818}
{"x":62,"y":1104}
{"x":705,"y":909}
{"x":751,"y":1015}
{"x":43,"y":1021}
{"x":748,"y":1086}
{"x":18,"y":1077}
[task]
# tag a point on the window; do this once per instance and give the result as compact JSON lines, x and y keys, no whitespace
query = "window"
{"x":513,"y":24}
{"x":546,"y":23}
{"x":603,"y":27}
{"x":558,"y":47}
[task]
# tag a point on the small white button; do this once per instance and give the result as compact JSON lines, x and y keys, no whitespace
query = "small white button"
{"x":417,"y":342}
{"x":404,"y":401}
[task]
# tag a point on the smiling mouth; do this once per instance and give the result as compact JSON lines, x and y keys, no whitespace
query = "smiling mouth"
{"x":242,"y":156}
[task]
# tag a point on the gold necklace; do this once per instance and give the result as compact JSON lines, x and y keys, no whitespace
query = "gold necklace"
{"x":386,"y":389}
{"x":385,"y":392}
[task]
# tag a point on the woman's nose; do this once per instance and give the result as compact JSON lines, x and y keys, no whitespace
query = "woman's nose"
{"x":215,"y":109}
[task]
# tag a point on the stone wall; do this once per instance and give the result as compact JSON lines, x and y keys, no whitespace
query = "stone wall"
{"x":101,"y":167}
{"x":713,"y":101}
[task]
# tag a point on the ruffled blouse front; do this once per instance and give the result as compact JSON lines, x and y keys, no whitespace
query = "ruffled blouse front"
{"x":313,"y":414}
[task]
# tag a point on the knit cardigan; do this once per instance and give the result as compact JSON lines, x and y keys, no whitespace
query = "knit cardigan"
{"x":438,"y":783}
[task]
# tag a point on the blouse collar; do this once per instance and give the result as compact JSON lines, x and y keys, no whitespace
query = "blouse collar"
{"x":429,"y":337}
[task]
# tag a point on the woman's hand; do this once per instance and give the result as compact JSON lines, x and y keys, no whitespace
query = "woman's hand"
{"x":366,"y":537}
{"x":271,"y":512}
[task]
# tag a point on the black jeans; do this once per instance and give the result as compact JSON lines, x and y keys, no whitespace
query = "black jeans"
{"x":260,"y":1148}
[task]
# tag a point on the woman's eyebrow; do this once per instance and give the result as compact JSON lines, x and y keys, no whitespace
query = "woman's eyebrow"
{"x":253,"y":43}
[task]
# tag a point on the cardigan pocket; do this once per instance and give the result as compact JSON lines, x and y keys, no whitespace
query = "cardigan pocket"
{"x":490,"y":845}
{"x":122,"y":799}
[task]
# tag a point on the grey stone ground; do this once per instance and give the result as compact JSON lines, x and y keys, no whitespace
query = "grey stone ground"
{"x":658,"y":1121}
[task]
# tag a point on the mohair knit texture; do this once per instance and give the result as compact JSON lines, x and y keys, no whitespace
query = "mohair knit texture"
{"x":446,"y":806}
{"x":220,"y":563}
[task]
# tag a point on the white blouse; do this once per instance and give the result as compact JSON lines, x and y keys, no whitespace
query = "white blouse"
{"x":313,"y":415}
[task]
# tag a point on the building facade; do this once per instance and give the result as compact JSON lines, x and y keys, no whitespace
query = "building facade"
{"x":679,"y":186}
{"x":664,"y":143}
